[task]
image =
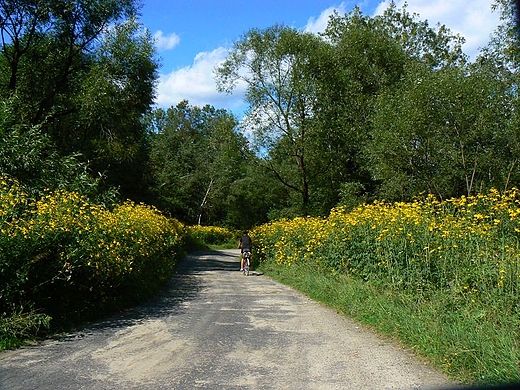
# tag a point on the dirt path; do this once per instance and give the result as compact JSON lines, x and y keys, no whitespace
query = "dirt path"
{"x":217,"y":329}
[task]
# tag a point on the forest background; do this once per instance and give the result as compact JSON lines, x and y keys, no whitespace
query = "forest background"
{"x":384,"y":107}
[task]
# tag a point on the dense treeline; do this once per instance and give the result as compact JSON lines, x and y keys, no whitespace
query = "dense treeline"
{"x":379,"y":107}
{"x":382,"y":107}
{"x":76,"y":78}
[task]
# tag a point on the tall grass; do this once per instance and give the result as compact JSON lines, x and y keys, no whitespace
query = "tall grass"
{"x":442,"y":276}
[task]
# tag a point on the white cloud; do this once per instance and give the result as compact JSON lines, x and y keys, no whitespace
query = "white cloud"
{"x":166,"y":42}
{"x":196,"y":84}
{"x":316,"y":25}
{"x":473,"y":19}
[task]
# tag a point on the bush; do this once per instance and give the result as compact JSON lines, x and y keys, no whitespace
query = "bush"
{"x":20,"y":325}
{"x":203,"y":236}
{"x":72,"y":259}
{"x":463,"y":254}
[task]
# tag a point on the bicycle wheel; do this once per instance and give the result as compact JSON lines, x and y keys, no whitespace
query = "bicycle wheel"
{"x":246,"y":265}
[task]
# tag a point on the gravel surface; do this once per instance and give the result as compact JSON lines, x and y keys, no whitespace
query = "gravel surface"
{"x":215,"y":328}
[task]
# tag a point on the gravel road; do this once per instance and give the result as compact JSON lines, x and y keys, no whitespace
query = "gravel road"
{"x":217,"y":329}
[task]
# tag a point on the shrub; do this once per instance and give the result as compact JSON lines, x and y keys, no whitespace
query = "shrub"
{"x":70,"y":258}
{"x":463,"y":254}
{"x":211,"y":235}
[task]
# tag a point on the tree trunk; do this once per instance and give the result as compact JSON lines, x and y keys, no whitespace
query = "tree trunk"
{"x":204,"y":201}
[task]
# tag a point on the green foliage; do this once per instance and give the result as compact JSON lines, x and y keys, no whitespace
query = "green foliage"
{"x":115,"y":94}
{"x":207,"y":236}
{"x":197,"y":160}
{"x":454,"y":261}
{"x":362,"y":60}
{"x":96,"y":74}
{"x":281,"y":98}
{"x":21,"y":325}
{"x":313,"y":99}
{"x":433,"y":47}
{"x":438,"y":132}
{"x":503,"y":50}
{"x":30,"y":157}
{"x":253,"y":197}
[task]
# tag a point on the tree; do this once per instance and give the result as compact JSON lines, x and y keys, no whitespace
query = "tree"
{"x":312,"y":97}
{"x":450,"y":128}
{"x":115,"y":94}
{"x":95,"y":72}
{"x":273,"y":65}
{"x":434,"y":47}
{"x":501,"y":59}
{"x":197,"y":156}
{"x":503,"y":50}
{"x":50,"y":41}
{"x":362,"y":59}
{"x":372,"y":55}
{"x":256,"y":197}
{"x":437,"y":132}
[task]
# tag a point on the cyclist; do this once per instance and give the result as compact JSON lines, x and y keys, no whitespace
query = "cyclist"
{"x":245,"y":244}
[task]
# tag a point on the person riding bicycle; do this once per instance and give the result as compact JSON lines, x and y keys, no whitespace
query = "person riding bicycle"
{"x":245,"y":245}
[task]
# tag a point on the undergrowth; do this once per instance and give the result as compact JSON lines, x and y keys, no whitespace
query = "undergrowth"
{"x":463,"y":343}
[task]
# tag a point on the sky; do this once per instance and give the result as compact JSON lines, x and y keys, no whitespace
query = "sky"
{"x":194,"y":36}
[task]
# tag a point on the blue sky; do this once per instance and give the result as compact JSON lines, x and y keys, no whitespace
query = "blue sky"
{"x":193,"y":36}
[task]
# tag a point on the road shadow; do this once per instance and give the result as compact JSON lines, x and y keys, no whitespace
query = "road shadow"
{"x":183,"y":287}
{"x":208,"y":260}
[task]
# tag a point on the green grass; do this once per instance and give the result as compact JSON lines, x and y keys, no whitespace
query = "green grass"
{"x":465,"y":341}
{"x":21,"y":328}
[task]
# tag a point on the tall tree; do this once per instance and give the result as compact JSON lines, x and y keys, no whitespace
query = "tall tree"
{"x":435,"y":47}
{"x":50,"y":41}
{"x":114,"y":95}
{"x":438,"y":132}
{"x":84,"y":72}
{"x":364,"y":59}
{"x":311,"y":98}
{"x":371,"y":56}
{"x":503,"y":50}
{"x":273,"y":65}
{"x":501,"y":59}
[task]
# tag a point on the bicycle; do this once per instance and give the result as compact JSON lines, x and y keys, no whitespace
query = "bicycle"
{"x":246,"y":256}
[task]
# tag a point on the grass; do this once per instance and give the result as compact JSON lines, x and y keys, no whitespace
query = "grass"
{"x":226,"y":245}
{"x":21,"y":328}
{"x":462,"y":343}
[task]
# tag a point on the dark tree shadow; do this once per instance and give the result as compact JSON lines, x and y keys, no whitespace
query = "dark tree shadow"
{"x":183,"y":287}
{"x":207,"y":260}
